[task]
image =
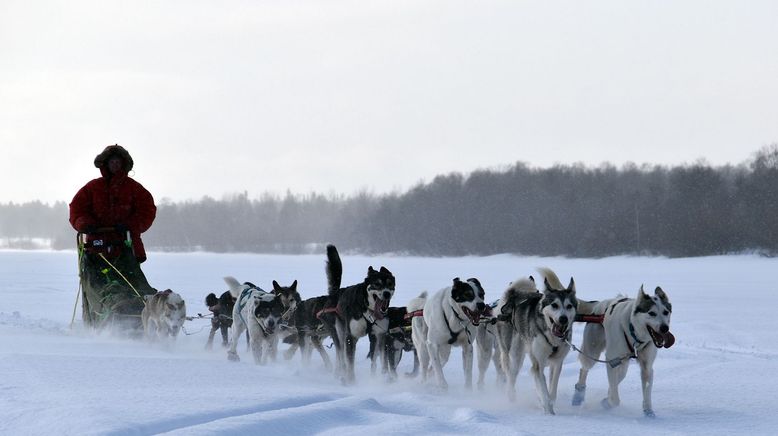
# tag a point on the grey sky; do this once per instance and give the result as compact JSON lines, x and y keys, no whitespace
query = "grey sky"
{"x":213,"y":98}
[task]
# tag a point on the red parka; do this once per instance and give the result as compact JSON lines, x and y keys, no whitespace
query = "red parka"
{"x":113,"y":200}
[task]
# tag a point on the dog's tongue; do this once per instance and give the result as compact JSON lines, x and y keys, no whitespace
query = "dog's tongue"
{"x":381,"y":306}
{"x":669,"y":340}
{"x":558,"y":331}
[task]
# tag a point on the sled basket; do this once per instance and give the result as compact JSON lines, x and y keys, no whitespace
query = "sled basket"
{"x":110,"y":298}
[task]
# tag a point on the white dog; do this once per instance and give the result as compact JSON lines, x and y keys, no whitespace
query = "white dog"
{"x":260,"y":313}
{"x":163,"y":315}
{"x":449,"y":318}
{"x":631,"y":328}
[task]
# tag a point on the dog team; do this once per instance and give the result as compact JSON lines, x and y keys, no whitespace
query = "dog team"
{"x":525,"y":322}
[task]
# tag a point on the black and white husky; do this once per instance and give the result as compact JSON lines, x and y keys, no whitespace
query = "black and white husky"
{"x":540,"y":325}
{"x":398,"y":339}
{"x":310,"y":332}
{"x":449,"y":318}
{"x":355,"y":311}
{"x":260,"y":313}
{"x":221,"y":308}
{"x":631,"y":328}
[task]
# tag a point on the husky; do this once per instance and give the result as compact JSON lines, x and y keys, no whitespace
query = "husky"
{"x":631,"y":328}
{"x":260,"y":313}
{"x":355,"y":311}
{"x":487,"y":346}
{"x":221,"y":307}
{"x":289,"y":296}
{"x":449,"y":318}
{"x":398,"y":339}
{"x":163,"y":315}
{"x":537,"y":324}
{"x":310,"y":331}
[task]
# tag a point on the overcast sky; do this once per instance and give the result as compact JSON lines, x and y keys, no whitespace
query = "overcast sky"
{"x":214,"y":97}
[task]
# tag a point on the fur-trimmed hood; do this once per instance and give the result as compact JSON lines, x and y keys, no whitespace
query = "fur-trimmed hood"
{"x":102,"y":159}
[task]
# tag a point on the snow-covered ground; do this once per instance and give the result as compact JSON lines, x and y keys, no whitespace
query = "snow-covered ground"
{"x":721,"y":377}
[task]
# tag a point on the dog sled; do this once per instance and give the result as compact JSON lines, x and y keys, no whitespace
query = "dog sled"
{"x":113,"y":287}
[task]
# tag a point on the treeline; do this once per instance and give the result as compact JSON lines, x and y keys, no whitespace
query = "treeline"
{"x":573,"y":210}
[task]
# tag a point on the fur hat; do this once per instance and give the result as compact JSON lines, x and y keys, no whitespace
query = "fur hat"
{"x":114,"y":150}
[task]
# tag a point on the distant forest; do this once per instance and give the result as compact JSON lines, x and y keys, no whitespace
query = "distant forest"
{"x":573,"y":210}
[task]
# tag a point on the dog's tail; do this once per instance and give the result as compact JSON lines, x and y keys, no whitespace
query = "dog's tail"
{"x":235,"y":286}
{"x":417,"y":303}
{"x":334,"y":269}
{"x":518,"y":291}
{"x":551,"y":278}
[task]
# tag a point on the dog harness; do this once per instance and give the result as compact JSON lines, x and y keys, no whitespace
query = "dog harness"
{"x":455,"y":336}
{"x":414,"y":314}
{"x":244,"y":297}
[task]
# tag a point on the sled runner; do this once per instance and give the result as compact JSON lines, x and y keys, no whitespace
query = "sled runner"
{"x":113,"y":287}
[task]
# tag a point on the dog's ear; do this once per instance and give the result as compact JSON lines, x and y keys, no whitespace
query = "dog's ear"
{"x":384,"y":270}
{"x":571,"y":286}
{"x":276,"y":286}
{"x":370,"y":269}
{"x":642,"y":293}
{"x":456,"y":280}
{"x":660,"y":293}
{"x":545,"y":284}
{"x":294,"y":285}
{"x":532,"y":279}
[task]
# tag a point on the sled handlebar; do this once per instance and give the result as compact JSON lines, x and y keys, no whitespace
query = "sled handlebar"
{"x":82,"y":236}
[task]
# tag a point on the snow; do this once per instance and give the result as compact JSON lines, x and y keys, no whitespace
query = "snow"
{"x":719,"y":378}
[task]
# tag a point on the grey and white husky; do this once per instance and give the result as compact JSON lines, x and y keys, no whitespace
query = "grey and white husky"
{"x":163,"y":315}
{"x":631,"y":328}
{"x":537,"y":324}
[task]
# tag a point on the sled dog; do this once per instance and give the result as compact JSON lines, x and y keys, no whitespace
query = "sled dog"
{"x":260,"y":313}
{"x":355,"y":311}
{"x":486,"y":345}
{"x":539,"y":325}
{"x":310,"y":331}
{"x":163,"y":315}
{"x":449,"y":318}
{"x":221,"y":308}
{"x":631,"y":328}
{"x":398,"y":339}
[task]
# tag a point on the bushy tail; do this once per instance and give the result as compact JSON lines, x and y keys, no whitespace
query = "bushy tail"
{"x":518,"y":292}
{"x":334,"y":269}
{"x":235,"y":286}
{"x":551,"y":278}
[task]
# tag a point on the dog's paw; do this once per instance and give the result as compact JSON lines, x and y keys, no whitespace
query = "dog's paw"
{"x":579,"y":394}
{"x":648,"y":413}
{"x":606,"y":404}
{"x":233,"y":357}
